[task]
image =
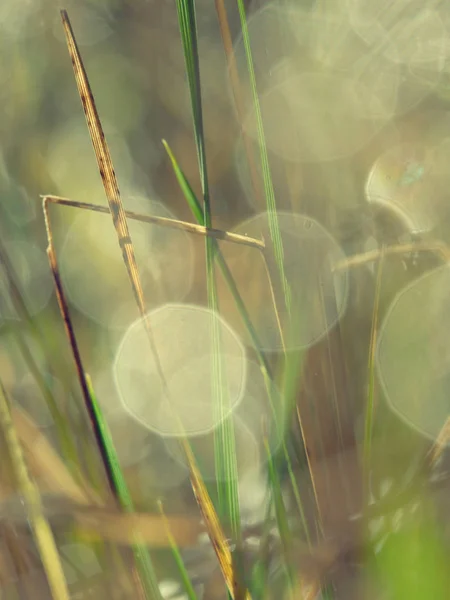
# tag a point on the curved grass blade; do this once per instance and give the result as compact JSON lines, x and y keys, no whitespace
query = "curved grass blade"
{"x":41,"y":529}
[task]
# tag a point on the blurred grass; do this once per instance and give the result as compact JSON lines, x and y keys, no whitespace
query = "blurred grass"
{"x":140,"y":75}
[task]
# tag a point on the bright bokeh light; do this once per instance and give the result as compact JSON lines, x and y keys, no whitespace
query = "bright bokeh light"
{"x":413,"y":354}
{"x":319,"y":295}
{"x":253,"y":420}
{"x":183,"y":341}
{"x":32,"y":277}
{"x":415,"y":28}
{"x":94,"y":274}
{"x":404,"y":181}
{"x":19,"y":19}
{"x":329,"y":80}
{"x":325,"y":117}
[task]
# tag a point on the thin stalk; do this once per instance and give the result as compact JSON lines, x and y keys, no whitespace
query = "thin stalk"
{"x":110,"y":185}
{"x":440,"y":248}
{"x":218,"y":234}
{"x":370,"y":407}
{"x":274,"y":227}
{"x":177,"y":556}
{"x":281,"y":516}
{"x":237,"y":93}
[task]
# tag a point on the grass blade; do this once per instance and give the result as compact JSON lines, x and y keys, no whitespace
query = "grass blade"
{"x":178,"y":558}
{"x":218,"y":234}
{"x":144,"y":563}
{"x":265,"y":369}
{"x":215,"y":531}
{"x":104,"y":162}
{"x":109,"y":181}
{"x":237,"y":93}
{"x":224,"y":439}
{"x":294,"y":361}
{"x":188,"y":30}
{"x":41,"y":529}
{"x":196,"y":209}
{"x":280,"y":513}
{"x":438,"y":248}
{"x":268,"y":184}
{"x":370,"y":408}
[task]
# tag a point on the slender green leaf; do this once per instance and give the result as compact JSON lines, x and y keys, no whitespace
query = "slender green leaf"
{"x":268,"y":184}
{"x":178,"y":558}
{"x":141,"y":554}
{"x":224,"y":439}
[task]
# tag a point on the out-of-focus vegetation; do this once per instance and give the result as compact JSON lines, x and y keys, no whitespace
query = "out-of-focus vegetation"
{"x":349,"y":436}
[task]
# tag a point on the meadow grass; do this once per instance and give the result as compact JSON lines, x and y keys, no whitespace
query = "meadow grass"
{"x":219,"y":508}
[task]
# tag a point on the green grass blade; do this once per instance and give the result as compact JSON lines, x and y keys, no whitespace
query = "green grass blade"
{"x":267,"y":179}
{"x":291,"y":374}
{"x":178,"y":558}
{"x":196,"y":210}
{"x":188,"y":30}
{"x":224,"y":439}
{"x":184,"y":184}
{"x":141,"y":554}
{"x":281,"y":515}
{"x":294,"y":360}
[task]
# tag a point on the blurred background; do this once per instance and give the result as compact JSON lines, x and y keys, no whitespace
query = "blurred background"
{"x":355,"y":100}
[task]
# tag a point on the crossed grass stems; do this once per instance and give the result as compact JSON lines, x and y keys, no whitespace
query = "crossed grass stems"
{"x":321,"y":555}
{"x":389,"y":504}
{"x":145,"y":579}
